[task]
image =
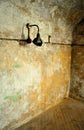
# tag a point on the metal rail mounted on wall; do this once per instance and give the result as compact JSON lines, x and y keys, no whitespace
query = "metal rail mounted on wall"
{"x":53,"y":43}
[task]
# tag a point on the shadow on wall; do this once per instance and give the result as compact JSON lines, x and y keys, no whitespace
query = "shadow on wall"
{"x":77,"y":62}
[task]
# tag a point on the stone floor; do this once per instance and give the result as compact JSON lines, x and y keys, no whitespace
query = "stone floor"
{"x":68,"y":115}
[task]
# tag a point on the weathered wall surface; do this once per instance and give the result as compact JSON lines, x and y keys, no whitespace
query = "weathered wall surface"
{"x":77,"y":76}
{"x":32,"y":79}
{"x":54,"y":17}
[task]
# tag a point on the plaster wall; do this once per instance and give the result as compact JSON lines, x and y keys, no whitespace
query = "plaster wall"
{"x":33,"y":79}
{"x":54,"y":17}
{"x":77,"y":66}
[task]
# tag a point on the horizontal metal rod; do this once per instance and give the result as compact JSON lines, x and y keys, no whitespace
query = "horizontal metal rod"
{"x":9,"y":39}
{"x":53,"y":43}
{"x":74,"y":44}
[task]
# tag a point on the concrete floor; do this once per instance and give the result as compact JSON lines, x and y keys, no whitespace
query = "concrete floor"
{"x":68,"y":115}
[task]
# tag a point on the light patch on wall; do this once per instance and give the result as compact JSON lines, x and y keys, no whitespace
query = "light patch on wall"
{"x":58,"y":66}
{"x":53,"y":10}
